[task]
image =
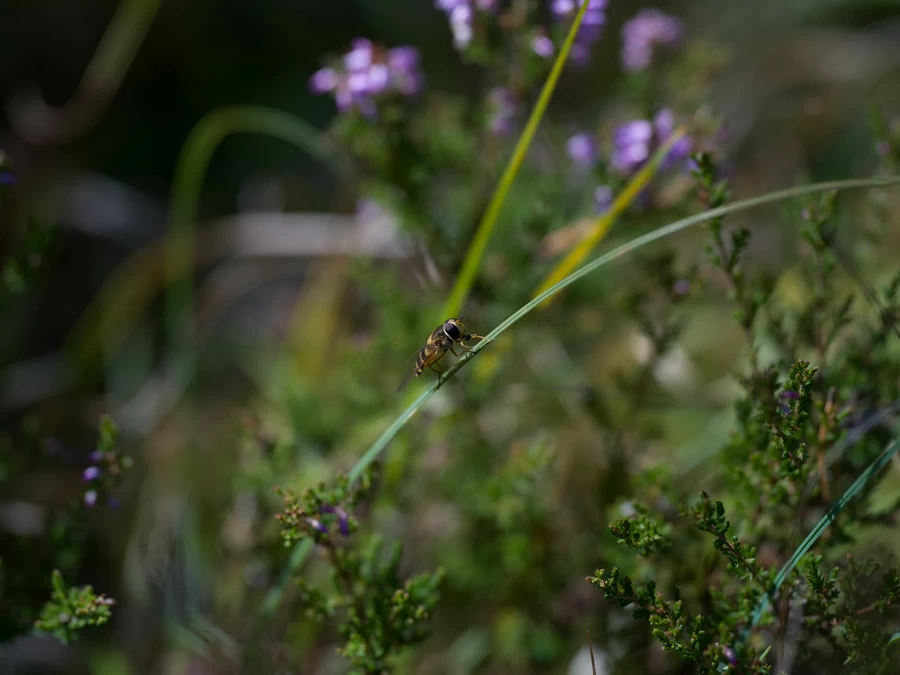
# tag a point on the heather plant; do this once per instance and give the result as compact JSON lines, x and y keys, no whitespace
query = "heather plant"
{"x":786,"y":462}
{"x":32,"y":558}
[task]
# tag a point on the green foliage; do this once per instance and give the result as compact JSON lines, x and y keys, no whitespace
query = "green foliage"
{"x":381,"y":614}
{"x":782,"y":463}
{"x":27,"y":260}
{"x":71,"y":609}
{"x":642,"y":533}
{"x":69,"y":540}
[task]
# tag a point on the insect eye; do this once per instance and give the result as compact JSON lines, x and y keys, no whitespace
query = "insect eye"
{"x":452,"y":330}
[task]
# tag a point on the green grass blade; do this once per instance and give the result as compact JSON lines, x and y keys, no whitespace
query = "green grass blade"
{"x":820,"y":527}
{"x":478,"y":246}
{"x":660,"y":233}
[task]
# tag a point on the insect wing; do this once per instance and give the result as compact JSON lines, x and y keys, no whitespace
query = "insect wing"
{"x":418,"y":357}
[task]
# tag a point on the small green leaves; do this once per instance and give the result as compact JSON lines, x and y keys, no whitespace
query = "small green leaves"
{"x":71,"y":609}
{"x":641,"y":533}
{"x":709,"y":517}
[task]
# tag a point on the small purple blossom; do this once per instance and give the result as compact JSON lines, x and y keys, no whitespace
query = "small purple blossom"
{"x":368,"y":74}
{"x":790,"y":395}
{"x":503,"y":106}
{"x":664,"y":125}
{"x":91,"y":473}
{"x":90,"y":498}
{"x":317,"y":525}
{"x":343,"y":519}
{"x":323,"y":80}
{"x":635,"y":141}
{"x":730,"y":655}
{"x":631,"y":145}
{"x":591,"y":28}
{"x":640,"y":35}
{"x":360,"y":57}
{"x":96,"y":456}
{"x":343,"y":522}
{"x":542,"y":45}
{"x":461,"y":25}
{"x":582,"y":150}
{"x":603,"y":197}
{"x":406,"y":75}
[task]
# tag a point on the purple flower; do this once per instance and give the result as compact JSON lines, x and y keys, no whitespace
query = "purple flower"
{"x":542,"y":45}
{"x":343,"y":522}
{"x":635,"y":141}
{"x":323,"y":80}
{"x":503,"y":107}
{"x":603,"y":197}
{"x":647,"y":29}
{"x":591,"y":25}
{"x":582,"y":150}
{"x":91,"y":473}
{"x":368,"y":75}
{"x":664,"y":125}
{"x":317,"y":525}
{"x":631,"y":145}
{"x":377,"y":79}
{"x":729,"y":655}
{"x":96,"y":456}
{"x":359,"y":58}
{"x":406,"y":76}
{"x":90,"y":498}
{"x":461,"y":19}
{"x":790,"y":395}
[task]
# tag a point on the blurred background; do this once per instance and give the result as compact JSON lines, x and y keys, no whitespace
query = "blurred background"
{"x":235,"y":252}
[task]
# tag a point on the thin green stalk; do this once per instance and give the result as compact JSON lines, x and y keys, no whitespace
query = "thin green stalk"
{"x":190,"y":172}
{"x":489,"y":220}
{"x":380,"y":444}
{"x":820,"y":528}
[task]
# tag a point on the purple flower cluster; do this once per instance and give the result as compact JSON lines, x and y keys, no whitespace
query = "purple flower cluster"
{"x":461,"y":14}
{"x":640,"y":35}
{"x":369,"y":72}
{"x":591,"y":28}
{"x":104,"y":475}
{"x":634,"y":142}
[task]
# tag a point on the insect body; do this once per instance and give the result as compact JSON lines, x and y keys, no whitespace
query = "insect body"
{"x":442,"y":339}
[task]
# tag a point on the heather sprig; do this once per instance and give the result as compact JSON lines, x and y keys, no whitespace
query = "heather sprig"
{"x":71,"y":609}
{"x":642,"y":533}
{"x":380,"y":613}
{"x":108,"y":466}
{"x":28,"y":259}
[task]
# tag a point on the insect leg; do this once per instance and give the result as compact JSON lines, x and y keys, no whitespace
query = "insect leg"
{"x":470,"y":337}
{"x":436,"y":368}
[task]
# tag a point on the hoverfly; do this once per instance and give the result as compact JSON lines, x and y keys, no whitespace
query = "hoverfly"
{"x":442,"y":338}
